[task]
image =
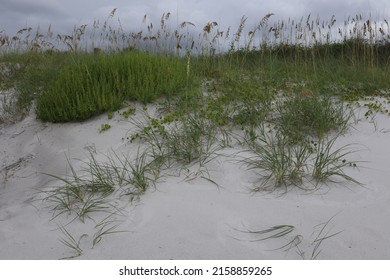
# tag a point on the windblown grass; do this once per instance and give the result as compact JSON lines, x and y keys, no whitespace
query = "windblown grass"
{"x":305,"y":249}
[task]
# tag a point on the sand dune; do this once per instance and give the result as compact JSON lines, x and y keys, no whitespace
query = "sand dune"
{"x":190,"y":219}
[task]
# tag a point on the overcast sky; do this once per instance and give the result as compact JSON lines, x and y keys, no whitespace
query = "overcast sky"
{"x":64,"y":14}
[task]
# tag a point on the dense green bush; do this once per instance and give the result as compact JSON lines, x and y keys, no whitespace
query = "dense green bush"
{"x":95,"y":83}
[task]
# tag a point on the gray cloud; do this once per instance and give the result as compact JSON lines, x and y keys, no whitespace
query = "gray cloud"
{"x":25,"y":7}
{"x":63,"y":15}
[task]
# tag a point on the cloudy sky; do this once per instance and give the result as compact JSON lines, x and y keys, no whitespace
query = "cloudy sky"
{"x":64,"y":14}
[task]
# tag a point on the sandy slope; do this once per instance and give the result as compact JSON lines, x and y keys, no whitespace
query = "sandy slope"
{"x":194,"y":219}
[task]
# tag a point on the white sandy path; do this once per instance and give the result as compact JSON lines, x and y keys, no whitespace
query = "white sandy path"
{"x":190,"y":220}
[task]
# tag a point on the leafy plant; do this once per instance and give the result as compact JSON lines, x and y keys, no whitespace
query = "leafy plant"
{"x":104,"y":127}
{"x":128,"y":112}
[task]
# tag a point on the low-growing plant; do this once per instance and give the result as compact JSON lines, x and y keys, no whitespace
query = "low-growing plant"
{"x":93,"y":203}
{"x":126,"y":114}
{"x":180,"y":140}
{"x":375,"y":106}
{"x":104,"y":127}
{"x":241,"y":99}
{"x":301,"y":115}
{"x":28,"y":73}
{"x":99,"y":183}
{"x":270,"y":233}
{"x":110,"y":115}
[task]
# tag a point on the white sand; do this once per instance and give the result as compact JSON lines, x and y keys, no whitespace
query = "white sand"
{"x":195,"y":219}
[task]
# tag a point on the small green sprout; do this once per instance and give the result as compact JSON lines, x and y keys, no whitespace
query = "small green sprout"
{"x":104,"y":127}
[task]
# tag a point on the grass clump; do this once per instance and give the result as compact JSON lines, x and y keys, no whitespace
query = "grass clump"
{"x":92,"y":188}
{"x":280,"y":163}
{"x":191,"y":138}
{"x":248,"y":97}
{"x":330,"y":163}
{"x":97,"y":83}
{"x":133,"y":177}
{"x":79,"y":196}
{"x":301,"y":115}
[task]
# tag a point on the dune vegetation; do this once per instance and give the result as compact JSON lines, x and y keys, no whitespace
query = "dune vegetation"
{"x":298,"y":78}
{"x":295,"y":79}
{"x":283,"y":92}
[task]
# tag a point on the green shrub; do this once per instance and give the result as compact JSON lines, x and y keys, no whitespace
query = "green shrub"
{"x":93,"y":84}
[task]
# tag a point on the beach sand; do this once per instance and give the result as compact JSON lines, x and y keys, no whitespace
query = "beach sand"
{"x":190,"y":219}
